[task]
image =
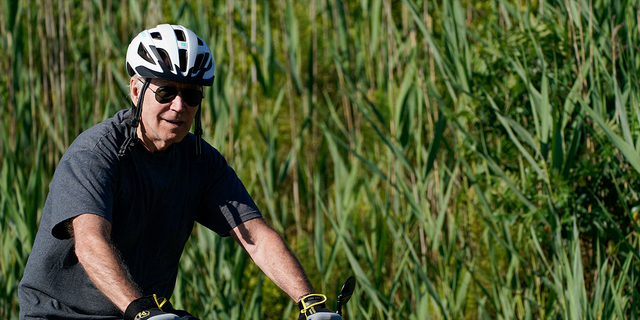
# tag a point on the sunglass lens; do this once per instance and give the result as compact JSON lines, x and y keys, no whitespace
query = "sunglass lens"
{"x":166,"y":94}
{"x":192,"y":97}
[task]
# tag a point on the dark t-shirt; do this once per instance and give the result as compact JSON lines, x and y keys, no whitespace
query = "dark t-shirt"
{"x":152,"y":202}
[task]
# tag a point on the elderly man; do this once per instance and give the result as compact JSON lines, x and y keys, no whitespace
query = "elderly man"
{"x":126,"y":195}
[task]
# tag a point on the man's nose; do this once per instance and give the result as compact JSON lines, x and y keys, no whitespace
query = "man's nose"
{"x":178,"y":103}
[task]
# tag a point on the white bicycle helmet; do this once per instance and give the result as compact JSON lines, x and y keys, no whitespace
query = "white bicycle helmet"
{"x":171,"y":52}
{"x":168,"y":52}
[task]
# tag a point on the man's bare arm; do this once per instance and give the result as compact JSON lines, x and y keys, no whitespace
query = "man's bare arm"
{"x":270,"y":253}
{"x":101,"y":261}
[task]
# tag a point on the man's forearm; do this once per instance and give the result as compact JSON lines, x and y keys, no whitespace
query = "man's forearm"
{"x":270,"y":253}
{"x":281,"y":266}
{"x":101,"y":261}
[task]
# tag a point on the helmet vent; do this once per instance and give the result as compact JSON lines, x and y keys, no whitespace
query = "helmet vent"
{"x":207,"y":61}
{"x":164,"y":56}
{"x":180,"y":35}
{"x":183,"y":59}
{"x":156,"y":36}
{"x":144,"y":54}
{"x":197,"y":64}
{"x":200,"y":42}
{"x":130,"y":70}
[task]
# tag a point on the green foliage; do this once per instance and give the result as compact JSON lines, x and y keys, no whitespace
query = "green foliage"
{"x":463,"y":159}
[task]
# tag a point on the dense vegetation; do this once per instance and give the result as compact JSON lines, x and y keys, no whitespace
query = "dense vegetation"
{"x":464,"y":159}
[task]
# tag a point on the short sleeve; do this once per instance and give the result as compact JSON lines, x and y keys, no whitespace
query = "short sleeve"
{"x":83,"y":183}
{"x":226,"y":204}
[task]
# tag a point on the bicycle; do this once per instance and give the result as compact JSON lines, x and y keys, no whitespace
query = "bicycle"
{"x":345,"y":295}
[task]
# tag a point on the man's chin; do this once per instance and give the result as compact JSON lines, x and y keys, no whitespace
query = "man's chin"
{"x":167,"y":142}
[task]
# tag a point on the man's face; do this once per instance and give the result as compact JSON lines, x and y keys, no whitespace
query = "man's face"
{"x":162,"y":124}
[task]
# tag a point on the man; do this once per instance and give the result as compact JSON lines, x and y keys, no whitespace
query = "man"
{"x":126,"y":194}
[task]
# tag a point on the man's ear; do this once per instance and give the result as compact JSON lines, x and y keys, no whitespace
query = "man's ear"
{"x":134,"y":90}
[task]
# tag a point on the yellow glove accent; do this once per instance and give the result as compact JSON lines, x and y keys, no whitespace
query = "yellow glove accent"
{"x":161,"y":302}
{"x":306,"y":307}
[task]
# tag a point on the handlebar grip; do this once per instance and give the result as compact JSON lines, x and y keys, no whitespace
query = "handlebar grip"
{"x":166,"y":316}
{"x":325,"y":316}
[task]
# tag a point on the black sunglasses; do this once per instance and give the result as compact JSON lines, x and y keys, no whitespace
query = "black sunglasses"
{"x":165,"y":94}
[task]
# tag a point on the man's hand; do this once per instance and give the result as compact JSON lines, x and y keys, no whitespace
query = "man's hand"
{"x":149,"y":308}
{"x":180,"y":313}
{"x":312,"y":307}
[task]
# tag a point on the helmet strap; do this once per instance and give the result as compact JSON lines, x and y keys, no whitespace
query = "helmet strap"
{"x":135,"y":121}
{"x":198,"y":134}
